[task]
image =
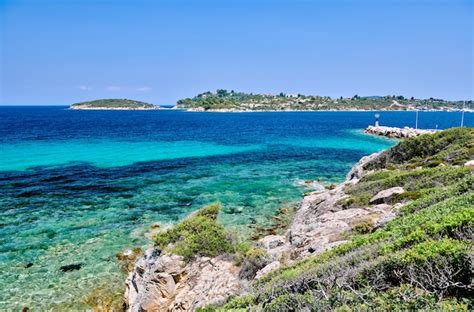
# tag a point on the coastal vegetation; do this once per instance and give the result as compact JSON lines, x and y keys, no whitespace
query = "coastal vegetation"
{"x":113,"y":104}
{"x":422,"y":259}
{"x":201,"y":235}
{"x":198,"y":235}
{"x":223,"y":100}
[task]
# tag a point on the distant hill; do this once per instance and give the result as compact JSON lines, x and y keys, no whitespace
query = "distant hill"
{"x":113,"y":104}
{"x":223,"y":100}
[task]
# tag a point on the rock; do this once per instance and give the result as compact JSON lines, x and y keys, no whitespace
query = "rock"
{"x":316,"y":185}
{"x":267,"y":269}
{"x":166,"y":283}
{"x":275,"y":245}
{"x":272,"y":241}
{"x":209,"y":281}
{"x":71,"y":267}
{"x":386,"y":196}
{"x":358,"y":170}
{"x":386,"y":214}
{"x":469,"y":164}
{"x":155,"y":225}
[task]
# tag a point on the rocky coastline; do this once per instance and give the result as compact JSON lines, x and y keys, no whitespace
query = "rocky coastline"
{"x":164,"y":282}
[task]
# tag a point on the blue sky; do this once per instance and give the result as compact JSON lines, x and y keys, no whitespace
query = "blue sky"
{"x":61,"y":52}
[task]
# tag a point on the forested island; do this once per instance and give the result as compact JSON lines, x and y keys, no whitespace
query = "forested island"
{"x":114,"y":104}
{"x":231,"y":101}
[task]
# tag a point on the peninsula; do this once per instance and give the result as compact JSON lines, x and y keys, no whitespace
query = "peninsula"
{"x":114,"y":104}
{"x":231,"y":101}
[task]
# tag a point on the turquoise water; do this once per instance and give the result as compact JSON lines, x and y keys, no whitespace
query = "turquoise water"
{"x":78,"y":187}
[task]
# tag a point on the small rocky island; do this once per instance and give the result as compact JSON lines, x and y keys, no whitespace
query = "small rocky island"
{"x":114,"y":104}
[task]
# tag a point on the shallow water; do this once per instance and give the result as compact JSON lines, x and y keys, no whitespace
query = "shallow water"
{"x":79,"y":186}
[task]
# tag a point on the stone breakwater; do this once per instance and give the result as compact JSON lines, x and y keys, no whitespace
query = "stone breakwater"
{"x":398,"y":133}
{"x":164,"y":282}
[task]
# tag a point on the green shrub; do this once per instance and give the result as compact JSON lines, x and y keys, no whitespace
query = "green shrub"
{"x":242,"y":302}
{"x":362,"y":226}
{"x":254,"y":260}
{"x":291,"y":302}
{"x":452,"y":146}
{"x":198,"y":235}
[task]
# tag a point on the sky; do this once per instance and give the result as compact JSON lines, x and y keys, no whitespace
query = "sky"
{"x":60,"y":52}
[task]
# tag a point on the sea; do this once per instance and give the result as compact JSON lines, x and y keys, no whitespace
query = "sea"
{"x":77,"y":187}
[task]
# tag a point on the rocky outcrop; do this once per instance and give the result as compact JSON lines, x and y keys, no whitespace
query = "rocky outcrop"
{"x":386,"y":196}
{"x":166,"y":283}
{"x":399,"y":133}
{"x":358,"y":170}
{"x":321,"y":222}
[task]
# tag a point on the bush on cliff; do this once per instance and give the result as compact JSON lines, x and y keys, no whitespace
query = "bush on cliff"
{"x":198,"y":235}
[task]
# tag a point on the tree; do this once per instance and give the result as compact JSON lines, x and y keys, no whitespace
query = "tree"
{"x":222,"y":92}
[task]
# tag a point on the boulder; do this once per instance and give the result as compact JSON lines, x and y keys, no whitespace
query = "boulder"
{"x":358,"y":170}
{"x":469,"y":164}
{"x":267,"y":269}
{"x":166,"y":283}
{"x":386,"y":196}
{"x":275,"y":246}
{"x":272,"y":241}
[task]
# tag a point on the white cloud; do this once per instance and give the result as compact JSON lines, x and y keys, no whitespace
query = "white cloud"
{"x":84,"y":88}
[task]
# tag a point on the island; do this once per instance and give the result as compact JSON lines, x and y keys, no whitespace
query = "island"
{"x":231,"y":101}
{"x":113,"y":104}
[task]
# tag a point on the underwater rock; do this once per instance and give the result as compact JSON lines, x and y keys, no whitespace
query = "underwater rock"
{"x":71,"y":267}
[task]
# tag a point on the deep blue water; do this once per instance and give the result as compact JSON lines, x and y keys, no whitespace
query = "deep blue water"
{"x":79,"y":186}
